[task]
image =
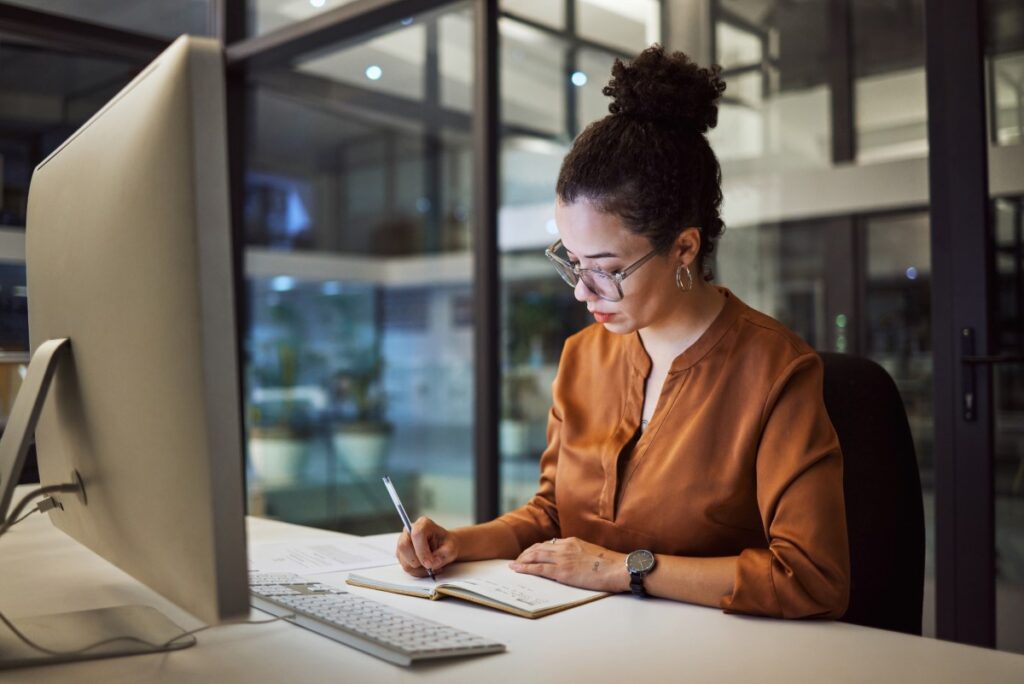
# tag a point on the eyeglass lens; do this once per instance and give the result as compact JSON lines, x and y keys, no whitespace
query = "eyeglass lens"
{"x":601,"y":285}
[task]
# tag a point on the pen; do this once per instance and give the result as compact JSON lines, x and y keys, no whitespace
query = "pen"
{"x":401,"y":513}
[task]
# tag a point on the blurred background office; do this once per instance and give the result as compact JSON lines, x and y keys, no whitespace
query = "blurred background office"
{"x":357,"y":195}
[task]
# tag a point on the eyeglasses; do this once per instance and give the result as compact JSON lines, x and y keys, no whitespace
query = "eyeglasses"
{"x":607,"y":286}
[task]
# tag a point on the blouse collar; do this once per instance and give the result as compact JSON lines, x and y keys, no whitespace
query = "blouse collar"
{"x":641,"y":361}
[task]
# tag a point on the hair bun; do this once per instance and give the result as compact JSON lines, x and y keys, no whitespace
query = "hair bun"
{"x":666,"y":88}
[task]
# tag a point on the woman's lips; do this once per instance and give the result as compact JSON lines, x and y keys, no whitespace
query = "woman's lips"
{"x":602,"y":317}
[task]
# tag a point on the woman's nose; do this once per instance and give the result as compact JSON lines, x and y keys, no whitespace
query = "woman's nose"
{"x":582,"y":292}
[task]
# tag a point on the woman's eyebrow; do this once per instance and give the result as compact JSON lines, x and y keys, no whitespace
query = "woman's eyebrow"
{"x":601,"y":255}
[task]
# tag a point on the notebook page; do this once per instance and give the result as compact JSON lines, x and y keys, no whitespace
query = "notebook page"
{"x":495,"y":580}
{"x":394,"y":577}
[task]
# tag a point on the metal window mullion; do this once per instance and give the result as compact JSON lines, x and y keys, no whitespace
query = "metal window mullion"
{"x":572,"y":55}
{"x":961,"y":295}
{"x":486,"y":278}
{"x":229,"y":26}
{"x":565,"y":34}
{"x":346,"y":22}
{"x":840,"y":76}
{"x":433,"y":171}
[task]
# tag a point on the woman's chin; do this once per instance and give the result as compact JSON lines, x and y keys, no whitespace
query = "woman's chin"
{"x":619,"y":325}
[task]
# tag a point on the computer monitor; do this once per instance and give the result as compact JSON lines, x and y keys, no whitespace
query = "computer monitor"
{"x":129,"y":257}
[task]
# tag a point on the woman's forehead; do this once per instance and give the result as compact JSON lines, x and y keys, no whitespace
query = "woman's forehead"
{"x":587,"y":231}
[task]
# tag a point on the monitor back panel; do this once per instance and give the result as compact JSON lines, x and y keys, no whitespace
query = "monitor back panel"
{"x":128,"y":252}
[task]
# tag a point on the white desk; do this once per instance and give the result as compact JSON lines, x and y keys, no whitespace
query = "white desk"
{"x":615,"y":639}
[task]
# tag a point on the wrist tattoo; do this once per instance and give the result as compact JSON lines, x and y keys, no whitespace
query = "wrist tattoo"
{"x":597,"y":564}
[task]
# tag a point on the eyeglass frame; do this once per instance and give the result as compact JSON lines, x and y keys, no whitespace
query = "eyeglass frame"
{"x":617,"y":277}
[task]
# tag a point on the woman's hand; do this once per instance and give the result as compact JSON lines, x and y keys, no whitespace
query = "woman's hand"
{"x":575,"y":562}
{"x":430,"y":546}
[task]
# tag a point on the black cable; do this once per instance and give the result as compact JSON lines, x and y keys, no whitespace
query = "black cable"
{"x":42,"y":649}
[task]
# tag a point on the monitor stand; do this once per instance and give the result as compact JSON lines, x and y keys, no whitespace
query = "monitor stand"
{"x":80,"y":635}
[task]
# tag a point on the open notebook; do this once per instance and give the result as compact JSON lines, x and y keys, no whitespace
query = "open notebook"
{"x":490,"y":583}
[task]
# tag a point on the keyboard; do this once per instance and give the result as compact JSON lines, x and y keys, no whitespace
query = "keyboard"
{"x":364,"y":624}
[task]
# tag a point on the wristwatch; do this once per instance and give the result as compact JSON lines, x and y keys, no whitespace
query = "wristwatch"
{"x":639,"y":564}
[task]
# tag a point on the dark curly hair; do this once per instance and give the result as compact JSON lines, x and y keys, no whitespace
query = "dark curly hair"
{"x":649,"y":161}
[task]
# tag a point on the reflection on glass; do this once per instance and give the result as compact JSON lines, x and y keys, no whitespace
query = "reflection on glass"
{"x":46,"y":96}
{"x":1004,"y":53}
{"x":539,"y":312}
{"x":455,"y":57}
{"x":359,"y":269}
{"x":550,"y":12}
{"x":628,"y":26}
{"x":532,"y":79}
{"x":778,"y":270}
{"x":898,"y":318}
{"x":169,"y":18}
{"x":890,"y":117}
{"x":1008,"y":463}
{"x":740,"y":46}
{"x":390,"y":63}
{"x":1006,"y":98}
{"x":776,"y":111}
{"x":594,"y":68}
{"x":264,"y":16}
{"x":13,"y":308}
{"x":897,"y":332}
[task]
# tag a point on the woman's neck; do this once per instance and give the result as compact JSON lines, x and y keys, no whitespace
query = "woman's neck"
{"x":676,"y":332}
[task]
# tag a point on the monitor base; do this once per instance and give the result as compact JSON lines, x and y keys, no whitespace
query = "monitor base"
{"x":147,"y":629}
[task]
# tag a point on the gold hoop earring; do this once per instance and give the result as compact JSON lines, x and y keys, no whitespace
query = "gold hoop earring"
{"x":679,"y":278}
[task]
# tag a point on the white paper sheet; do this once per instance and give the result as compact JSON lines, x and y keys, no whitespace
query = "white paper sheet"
{"x":317,"y":557}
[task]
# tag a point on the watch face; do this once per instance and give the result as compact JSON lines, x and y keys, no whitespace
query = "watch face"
{"x":640,"y":561}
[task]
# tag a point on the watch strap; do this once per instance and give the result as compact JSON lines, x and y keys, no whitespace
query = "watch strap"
{"x":636,"y":584}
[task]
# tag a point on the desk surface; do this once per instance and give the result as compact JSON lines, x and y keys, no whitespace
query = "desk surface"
{"x":610,"y":640}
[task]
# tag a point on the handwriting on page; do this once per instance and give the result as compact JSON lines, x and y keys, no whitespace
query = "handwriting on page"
{"x":513,"y":594}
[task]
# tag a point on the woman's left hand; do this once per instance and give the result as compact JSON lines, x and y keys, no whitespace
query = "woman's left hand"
{"x":575,"y":562}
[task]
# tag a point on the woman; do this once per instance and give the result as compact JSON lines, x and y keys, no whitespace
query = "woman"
{"x":689,"y":452}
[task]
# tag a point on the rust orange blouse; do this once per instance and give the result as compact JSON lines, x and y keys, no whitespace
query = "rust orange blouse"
{"x":739,"y":459}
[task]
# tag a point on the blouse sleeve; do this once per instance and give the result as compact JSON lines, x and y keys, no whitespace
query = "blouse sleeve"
{"x":805,"y":571}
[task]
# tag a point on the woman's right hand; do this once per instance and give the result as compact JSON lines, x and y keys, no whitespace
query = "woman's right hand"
{"x":430,"y":546}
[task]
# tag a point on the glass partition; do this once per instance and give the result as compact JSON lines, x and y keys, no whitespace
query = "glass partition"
{"x":46,"y":95}
{"x":1008,"y":456}
{"x":627,"y":26}
{"x":775,"y":113}
{"x":168,"y":18}
{"x":549,"y":12}
{"x":1004,"y":52}
{"x":360,"y":346}
{"x":551,"y":89}
{"x":264,"y":16}
{"x":890,"y":100}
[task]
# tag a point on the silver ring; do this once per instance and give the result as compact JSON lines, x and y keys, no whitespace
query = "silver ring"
{"x":554,"y":539}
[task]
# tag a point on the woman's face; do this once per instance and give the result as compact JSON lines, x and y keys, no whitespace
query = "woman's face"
{"x":595,"y":239}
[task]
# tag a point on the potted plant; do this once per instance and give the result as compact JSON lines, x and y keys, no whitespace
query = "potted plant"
{"x":361,"y":434}
{"x":281,"y":419}
{"x":279,"y":435}
{"x":519,"y":389}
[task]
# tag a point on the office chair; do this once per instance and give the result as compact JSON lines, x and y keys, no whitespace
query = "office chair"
{"x":884,"y":506}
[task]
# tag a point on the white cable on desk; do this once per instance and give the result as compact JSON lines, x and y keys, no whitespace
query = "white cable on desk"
{"x":42,"y":649}
{"x":13,"y":519}
{"x":34,"y":510}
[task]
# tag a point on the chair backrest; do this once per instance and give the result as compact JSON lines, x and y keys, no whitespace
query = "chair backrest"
{"x":884,"y":506}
